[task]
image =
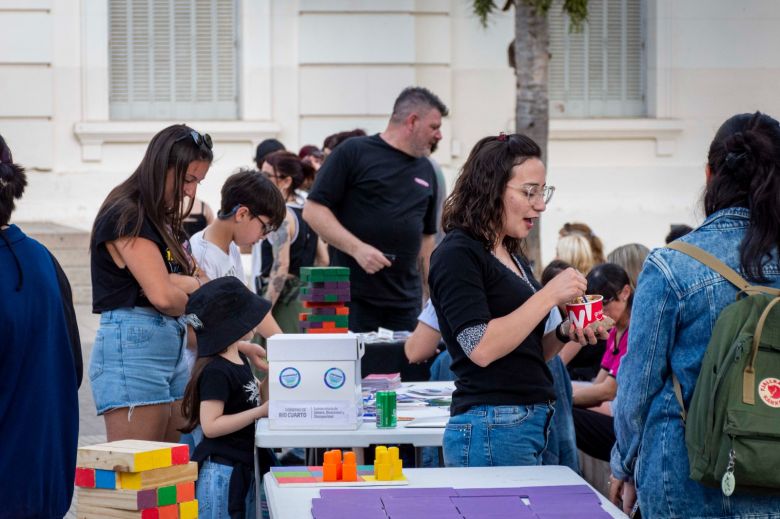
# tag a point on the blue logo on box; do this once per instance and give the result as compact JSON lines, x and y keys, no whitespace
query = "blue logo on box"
{"x":335,"y":378}
{"x":290,"y":378}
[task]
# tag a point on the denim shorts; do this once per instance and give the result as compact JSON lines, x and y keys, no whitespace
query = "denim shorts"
{"x":137,"y":359}
{"x":212,"y":488}
{"x":492,"y":436}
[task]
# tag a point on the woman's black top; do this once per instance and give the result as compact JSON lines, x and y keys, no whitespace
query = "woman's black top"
{"x":469,"y":287}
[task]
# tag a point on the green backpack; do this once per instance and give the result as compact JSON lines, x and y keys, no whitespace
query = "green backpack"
{"x":732,"y":429}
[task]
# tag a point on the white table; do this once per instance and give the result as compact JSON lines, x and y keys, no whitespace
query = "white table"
{"x":295,"y":503}
{"x":366,"y":434}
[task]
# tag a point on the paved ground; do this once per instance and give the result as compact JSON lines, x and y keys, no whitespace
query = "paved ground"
{"x":91,"y":428}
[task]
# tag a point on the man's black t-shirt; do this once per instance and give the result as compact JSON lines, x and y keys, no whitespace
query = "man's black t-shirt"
{"x":469,"y":287}
{"x":387,"y":199}
{"x":114,"y":287}
{"x":235,"y":385}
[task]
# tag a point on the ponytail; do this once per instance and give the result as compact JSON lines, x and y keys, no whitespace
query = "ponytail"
{"x":12,"y":183}
{"x":744,"y":158}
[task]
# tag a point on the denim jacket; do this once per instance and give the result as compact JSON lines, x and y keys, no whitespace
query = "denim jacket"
{"x":675,"y":308}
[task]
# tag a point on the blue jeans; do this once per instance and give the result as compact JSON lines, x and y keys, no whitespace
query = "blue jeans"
{"x":211,"y":491}
{"x":502,"y":435}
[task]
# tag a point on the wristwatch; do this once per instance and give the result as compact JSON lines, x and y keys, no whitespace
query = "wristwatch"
{"x":559,"y":331}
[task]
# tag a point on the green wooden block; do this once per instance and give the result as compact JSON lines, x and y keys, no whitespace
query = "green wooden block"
{"x":316,"y":274}
{"x":293,"y":474}
{"x":166,"y":495}
{"x":342,"y":321}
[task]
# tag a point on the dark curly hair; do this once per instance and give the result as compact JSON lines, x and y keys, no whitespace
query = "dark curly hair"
{"x":744,"y":160}
{"x":476,"y":204}
{"x":12,"y":183}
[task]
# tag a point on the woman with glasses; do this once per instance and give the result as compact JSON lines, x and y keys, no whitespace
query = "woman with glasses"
{"x":492,"y":312}
{"x":593,"y":402}
{"x":292,"y":246}
{"x":142,"y":275}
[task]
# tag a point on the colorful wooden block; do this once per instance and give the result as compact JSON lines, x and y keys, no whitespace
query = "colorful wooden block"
{"x":321,"y":304}
{"x":185,"y":492}
{"x":169,"y":512}
{"x":180,"y":454}
{"x":106,"y":479}
{"x":88,"y":511}
{"x":189,"y":509}
{"x":85,"y":477}
{"x":166,"y":495}
{"x":127,"y":455}
{"x":327,"y":330}
{"x":313,"y":274}
{"x":118,"y":499}
{"x":159,"y":477}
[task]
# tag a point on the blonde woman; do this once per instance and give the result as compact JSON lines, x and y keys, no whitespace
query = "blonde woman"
{"x":575,"y":250}
{"x":631,"y":257}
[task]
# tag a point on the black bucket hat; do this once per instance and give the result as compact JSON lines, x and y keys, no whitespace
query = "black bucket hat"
{"x":221,"y":312}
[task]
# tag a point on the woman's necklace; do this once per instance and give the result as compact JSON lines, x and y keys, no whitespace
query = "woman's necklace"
{"x":520,"y":270}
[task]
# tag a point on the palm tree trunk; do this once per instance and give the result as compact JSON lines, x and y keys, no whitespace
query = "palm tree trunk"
{"x":532,"y":43}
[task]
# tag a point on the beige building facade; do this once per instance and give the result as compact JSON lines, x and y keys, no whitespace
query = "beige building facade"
{"x":636,"y":98}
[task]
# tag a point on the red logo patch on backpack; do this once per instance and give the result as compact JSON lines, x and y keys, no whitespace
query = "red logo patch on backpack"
{"x":769,"y":391}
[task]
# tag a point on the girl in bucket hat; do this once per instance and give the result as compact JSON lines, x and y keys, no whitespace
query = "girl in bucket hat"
{"x":223,"y":396}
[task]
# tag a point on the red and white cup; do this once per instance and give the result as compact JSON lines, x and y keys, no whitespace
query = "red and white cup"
{"x":582,"y":314}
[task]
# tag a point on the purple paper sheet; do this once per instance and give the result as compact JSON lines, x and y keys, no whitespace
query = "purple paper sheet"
{"x":510,"y":506}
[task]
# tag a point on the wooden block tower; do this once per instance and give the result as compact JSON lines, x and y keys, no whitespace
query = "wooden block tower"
{"x":325,"y":293}
{"x":136,"y":479}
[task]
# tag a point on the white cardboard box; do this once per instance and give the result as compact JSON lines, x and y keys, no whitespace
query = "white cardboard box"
{"x":314,"y":381}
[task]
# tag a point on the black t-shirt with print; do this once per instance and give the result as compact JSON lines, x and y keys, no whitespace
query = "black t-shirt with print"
{"x":235,"y":385}
{"x":387,"y":199}
{"x":469,"y":287}
{"x":114,"y":287}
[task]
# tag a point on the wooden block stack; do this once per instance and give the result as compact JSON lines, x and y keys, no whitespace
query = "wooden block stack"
{"x":136,"y":479}
{"x":325,"y":293}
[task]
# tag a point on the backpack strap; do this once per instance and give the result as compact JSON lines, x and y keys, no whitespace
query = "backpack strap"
{"x":721,"y":268}
{"x":749,"y":375}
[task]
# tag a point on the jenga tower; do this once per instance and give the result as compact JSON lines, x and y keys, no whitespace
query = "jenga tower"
{"x":325,"y":294}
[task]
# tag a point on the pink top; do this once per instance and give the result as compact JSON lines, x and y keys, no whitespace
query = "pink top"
{"x":611,"y":359}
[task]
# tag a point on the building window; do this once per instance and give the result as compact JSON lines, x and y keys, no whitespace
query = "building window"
{"x":172,"y":59}
{"x":599,"y":71}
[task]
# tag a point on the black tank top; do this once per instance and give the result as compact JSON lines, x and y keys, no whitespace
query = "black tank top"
{"x":303,"y":249}
{"x":195,"y":222}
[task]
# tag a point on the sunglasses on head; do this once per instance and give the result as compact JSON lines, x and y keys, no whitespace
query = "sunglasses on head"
{"x":200,"y":139}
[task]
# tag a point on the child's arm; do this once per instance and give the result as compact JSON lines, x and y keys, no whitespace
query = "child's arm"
{"x":214,"y":423}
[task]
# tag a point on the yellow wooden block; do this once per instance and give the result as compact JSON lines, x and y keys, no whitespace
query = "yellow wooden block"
{"x":188,"y":509}
{"x":155,"y":459}
{"x":159,"y":477}
{"x":126,"y":455}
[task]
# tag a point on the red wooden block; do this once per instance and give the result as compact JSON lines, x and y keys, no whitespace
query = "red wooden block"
{"x":85,"y":477}
{"x":169,"y":512}
{"x":150,"y":513}
{"x":185,"y":492}
{"x":180,"y":455}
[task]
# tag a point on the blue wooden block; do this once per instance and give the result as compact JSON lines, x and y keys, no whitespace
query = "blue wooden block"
{"x":105,"y":479}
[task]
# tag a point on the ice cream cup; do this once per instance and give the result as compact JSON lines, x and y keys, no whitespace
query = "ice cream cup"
{"x":581,"y":314}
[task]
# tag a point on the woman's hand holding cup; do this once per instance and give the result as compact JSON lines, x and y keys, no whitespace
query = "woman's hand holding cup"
{"x":566,"y":286}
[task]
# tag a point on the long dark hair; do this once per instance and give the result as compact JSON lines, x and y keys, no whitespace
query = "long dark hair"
{"x":289,"y":165}
{"x":476,"y":204}
{"x":142,"y":195}
{"x":12,"y":183}
{"x":190,"y":405}
{"x":608,"y":280}
{"x":743,"y":160}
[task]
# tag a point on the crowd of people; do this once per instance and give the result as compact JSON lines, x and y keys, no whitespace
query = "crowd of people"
{"x":181,"y":324}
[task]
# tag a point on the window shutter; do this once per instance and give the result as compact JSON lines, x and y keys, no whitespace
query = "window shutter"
{"x":599,"y":71}
{"x":173,"y":59}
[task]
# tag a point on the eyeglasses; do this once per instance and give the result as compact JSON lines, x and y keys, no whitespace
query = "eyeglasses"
{"x":535,"y":193}
{"x":200,"y":139}
{"x":267,"y":227}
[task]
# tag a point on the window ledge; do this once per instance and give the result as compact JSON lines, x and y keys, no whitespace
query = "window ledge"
{"x":663,"y":131}
{"x":92,"y":135}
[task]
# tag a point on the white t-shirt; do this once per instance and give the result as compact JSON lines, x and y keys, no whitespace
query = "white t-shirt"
{"x":213,"y":260}
{"x":428,"y":316}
